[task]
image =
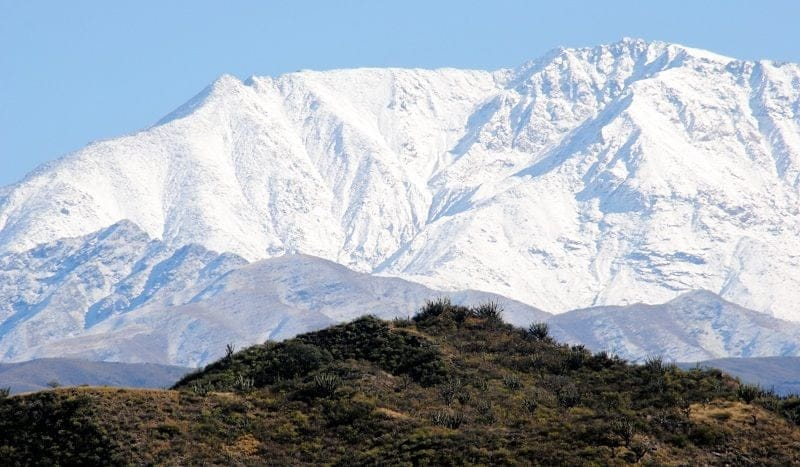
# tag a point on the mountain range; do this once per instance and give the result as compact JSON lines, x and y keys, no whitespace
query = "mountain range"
{"x":627,"y":173}
{"x":45,"y":373}
{"x":693,"y":327}
{"x":184,"y":307}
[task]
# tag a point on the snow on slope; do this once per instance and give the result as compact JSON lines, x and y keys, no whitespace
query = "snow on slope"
{"x":69,"y":286}
{"x":117,"y":295}
{"x":608,"y":175}
{"x":271,"y":299}
{"x":692,"y":327}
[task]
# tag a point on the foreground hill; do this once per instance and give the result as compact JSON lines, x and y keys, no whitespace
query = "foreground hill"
{"x":452,"y":386}
{"x":39,"y":374}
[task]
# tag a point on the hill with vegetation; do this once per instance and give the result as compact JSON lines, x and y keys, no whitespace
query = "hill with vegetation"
{"x":780,"y":374}
{"x":453,"y":385}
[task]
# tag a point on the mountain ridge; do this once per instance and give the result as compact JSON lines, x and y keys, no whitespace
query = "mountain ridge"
{"x":41,"y":374}
{"x":619,"y":172}
{"x":117,"y":295}
{"x":694,"y":326}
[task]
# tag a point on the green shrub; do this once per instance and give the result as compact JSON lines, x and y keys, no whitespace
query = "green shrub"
{"x":243,"y":383}
{"x":486,"y":411}
{"x":395,"y":351}
{"x":568,"y":396}
{"x":654,"y":363}
{"x":433,"y":308}
{"x":447,"y":419}
{"x":294,"y":358}
{"x":789,"y":407}
{"x":167,"y":430}
{"x":623,"y":428}
{"x":490,"y":311}
{"x":512,"y":381}
{"x":50,"y":428}
{"x":530,"y":405}
{"x":200,"y":388}
{"x":539,"y":331}
{"x":344,"y":412}
{"x":577,"y":357}
{"x":453,"y":390}
{"x":326,"y":384}
{"x":706,"y":435}
{"x":748,"y":392}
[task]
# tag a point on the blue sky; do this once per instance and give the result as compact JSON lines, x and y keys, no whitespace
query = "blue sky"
{"x":72,"y":72}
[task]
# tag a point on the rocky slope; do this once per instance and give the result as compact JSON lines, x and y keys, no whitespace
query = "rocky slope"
{"x":69,"y":286}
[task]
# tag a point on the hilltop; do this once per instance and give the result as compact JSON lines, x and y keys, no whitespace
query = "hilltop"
{"x":453,"y":385}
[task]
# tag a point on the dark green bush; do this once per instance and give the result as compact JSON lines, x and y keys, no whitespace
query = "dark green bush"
{"x":512,"y":382}
{"x":454,"y":390}
{"x":447,"y":419}
{"x":342,"y":412}
{"x":539,"y":331}
{"x":489,"y":311}
{"x":568,"y":396}
{"x":326,"y":384}
{"x":433,"y":309}
{"x":51,"y":428}
{"x":371,"y":339}
{"x":748,"y":392}
{"x":290,"y":359}
{"x":706,"y":435}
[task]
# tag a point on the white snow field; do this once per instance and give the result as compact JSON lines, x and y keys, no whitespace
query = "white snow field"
{"x":623,"y":173}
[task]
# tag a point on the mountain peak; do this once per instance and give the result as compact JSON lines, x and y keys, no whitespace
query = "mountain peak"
{"x":628,"y":171}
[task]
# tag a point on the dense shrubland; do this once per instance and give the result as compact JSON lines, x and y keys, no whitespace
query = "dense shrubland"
{"x":453,"y":385}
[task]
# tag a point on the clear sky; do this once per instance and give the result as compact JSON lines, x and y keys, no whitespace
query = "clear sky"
{"x":72,"y":72}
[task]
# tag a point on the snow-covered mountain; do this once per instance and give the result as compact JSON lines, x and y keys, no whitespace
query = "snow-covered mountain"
{"x":693,"y":327}
{"x":627,"y":172}
{"x":69,"y":286}
{"x":118,"y":295}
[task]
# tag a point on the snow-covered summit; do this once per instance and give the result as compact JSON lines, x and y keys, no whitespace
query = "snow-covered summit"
{"x":606,"y":175}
